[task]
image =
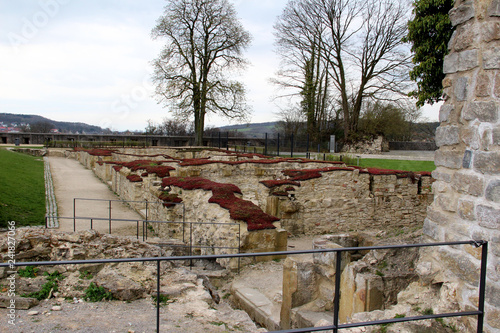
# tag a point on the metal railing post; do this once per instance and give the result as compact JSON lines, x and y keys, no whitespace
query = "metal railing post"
{"x":278,"y":153}
{"x":110,"y":217}
{"x":336,"y":301}
{"x":74,"y":214}
{"x":482,"y":286}
{"x":158,"y":296}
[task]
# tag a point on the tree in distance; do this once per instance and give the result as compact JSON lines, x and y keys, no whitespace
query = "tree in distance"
{"x":357,"y":44}
{"x":429,"y":32}
{"x":204,"y":43}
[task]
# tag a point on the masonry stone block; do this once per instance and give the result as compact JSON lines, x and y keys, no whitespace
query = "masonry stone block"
{"x":488,"y":217}
{"x":450,"y":63}
{"x":463,"y":38}
{"x":468,"y":183}
{"x":482,"y":111}
{"x":491,"y":31}
{"x":466,"y":210}
{"x":447,"y":201}
{"x":493,"y":191}
{"x":470,"y":136}
{"x":467,"y":60}
{"x":461,"y":264}
{"x":462,"y":13}
{"x":433,"y":230}
{"x":443,"y":174}
{"x":496,"y":88}
{"x":483,"y":85}
{"x":494,"y":9}
{"x":492,"y":317}
{"x":450,"y":159}
{"x":493,"y":294}
{"x":491,"y":58}
{"x":487,"y":162}
{"x":445,"y":111}
{"x":447,"y":135}
{"x":460,"y":88}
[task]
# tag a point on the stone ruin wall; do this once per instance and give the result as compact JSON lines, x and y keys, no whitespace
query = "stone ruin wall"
{"x":467,"y":187}
{"x":339,"y":201}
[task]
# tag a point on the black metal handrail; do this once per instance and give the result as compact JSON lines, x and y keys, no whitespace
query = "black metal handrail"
{"x":336,"y":326}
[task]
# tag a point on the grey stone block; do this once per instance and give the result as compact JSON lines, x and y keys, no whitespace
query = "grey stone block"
{"x":447,"y":135}
{"x":467,"y":60}
{"x":493,"y":191}
{"x":450,"y":63}
{"x":488,"y":217}
{"x":445,"y":111}
{"x":494,"y":9}
{"x":491,"y":58}
{"x":449,"y":159}
{"x":482,"y":111}
{"x":468,"y":183}
{"x":487,"y":162}
{"x":462,"y":13}
{"x":460,"y":88}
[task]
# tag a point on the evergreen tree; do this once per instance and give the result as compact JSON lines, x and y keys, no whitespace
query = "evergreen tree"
{"x":429,"y":32}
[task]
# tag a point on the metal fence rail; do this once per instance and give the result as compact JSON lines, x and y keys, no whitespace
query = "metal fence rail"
{"x":336,"y":326}
{"x":147,"y":205}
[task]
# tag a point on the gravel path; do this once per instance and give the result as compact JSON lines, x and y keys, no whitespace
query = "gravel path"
{"x":72,"y":180}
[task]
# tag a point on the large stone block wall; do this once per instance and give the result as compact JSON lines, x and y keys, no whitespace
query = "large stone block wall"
{"x":347,"y":201}
{"x":467,"y":187}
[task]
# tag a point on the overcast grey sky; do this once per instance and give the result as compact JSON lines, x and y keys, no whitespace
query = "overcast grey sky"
{"x":89,"y":60}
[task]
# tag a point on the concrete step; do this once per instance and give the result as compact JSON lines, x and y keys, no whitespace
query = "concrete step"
{"x":257,"y":305}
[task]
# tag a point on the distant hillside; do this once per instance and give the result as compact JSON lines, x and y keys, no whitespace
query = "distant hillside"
{"x":62,"y":126}
{"x":257,"y":130}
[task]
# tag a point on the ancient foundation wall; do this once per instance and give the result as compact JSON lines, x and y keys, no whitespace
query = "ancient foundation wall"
{"x":350,"y":201}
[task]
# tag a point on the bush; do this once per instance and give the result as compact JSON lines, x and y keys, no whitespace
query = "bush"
{"x":95,"y":293}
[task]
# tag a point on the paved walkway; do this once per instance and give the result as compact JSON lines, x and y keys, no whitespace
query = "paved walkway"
{"x":72,"y":180}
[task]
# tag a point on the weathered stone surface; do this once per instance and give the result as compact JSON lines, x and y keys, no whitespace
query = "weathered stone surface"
{"x":462,"y":13}
{"x":450,"y":63}
{"x":487,"y":162}
{"x":447,"y":135}
{"x":447,"y":201}
{"x":494,"y":9}
{"x":461,"y":88}
{"x":496,"y":89}
{"x":493,"y":191}
{"x":22,"y":303}
{"x":445,"y":111}
{"x":463,"y":38}
{"x":470,"y":136}
{"x":496,"y":135}
{"x":449,"y":159}
{"x":488,"y":217}
{"x":493,"y":294}
{"x":493,"y":316}
{"x":491,"y":31}
{"x":466,"y":210}
{"x":468,"y":183}
{"x":482,"y":111}
{"x":491,"y":58}
{"x":483,"y":85}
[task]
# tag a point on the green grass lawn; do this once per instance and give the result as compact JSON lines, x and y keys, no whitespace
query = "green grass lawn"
{"x":397,"y":164}
{"x":22,"y":189}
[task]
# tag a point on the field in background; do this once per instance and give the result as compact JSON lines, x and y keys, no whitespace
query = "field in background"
{"x":22,"y":189}
{"x":405,"y":165}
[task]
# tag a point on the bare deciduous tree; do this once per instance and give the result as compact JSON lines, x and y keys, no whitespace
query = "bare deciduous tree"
{"x":361,"y":45}
{"x":205,"y":42}
{"x":303,"y":68}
